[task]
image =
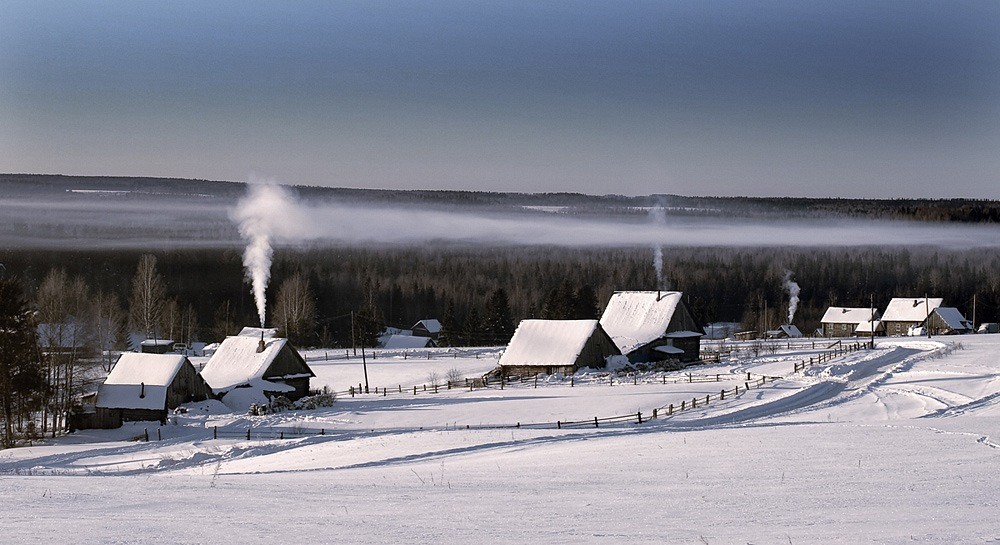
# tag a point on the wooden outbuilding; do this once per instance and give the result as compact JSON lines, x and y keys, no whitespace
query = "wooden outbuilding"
{"x":904,"y":313}
{"x":948,"y":321}
{"x":270,"y":365}
{"x":651,"y":326}
{"x":556,"y":346}
{"x":429,"y":328}
{"x":144,"y":387}
{"x":844,"y":321}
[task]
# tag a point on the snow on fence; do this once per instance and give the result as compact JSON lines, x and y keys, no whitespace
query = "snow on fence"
{"x":839,"y":350}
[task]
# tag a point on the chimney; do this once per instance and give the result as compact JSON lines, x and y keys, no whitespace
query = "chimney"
{"x":260,"y":345}
{"x":142,"y":390}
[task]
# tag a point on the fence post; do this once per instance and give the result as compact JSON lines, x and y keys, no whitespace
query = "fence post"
{"x":664,"y":379}
{"x":707,"y":398}
{"x":639,"y":416}
{"x":689,"y":378}
{"x":654,"y":412}
{"x":682,"y":405}
{"x":635,"y":380}
{"x":281,"y":434}
{"x":414,"y":390}
{"x":385,"y":392}
{"x":595,"y":422}
{"x":558,"y":424}
{"x":737,"y":390}
{"x":215,"y":432}
{"x":145,"y":433}
{"x":670,"y":409}
{"x":248,"y":434}
{"x":400,"y":388}
{"x":722,"y":395}
{"x":352,"y":391}
{"x":536,"y":380}
{"x":322,"y":431}
{"x":435,"y":388}
{"x":158,"y":436}
{"x":746,"y":386}
{"x":694,"y":402}
{"x":748,"y":375}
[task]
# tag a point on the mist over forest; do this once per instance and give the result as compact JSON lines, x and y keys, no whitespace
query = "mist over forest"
{"x":401,"y":256}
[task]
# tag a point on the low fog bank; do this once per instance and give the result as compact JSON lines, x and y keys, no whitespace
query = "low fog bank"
{"x":103,"y":221}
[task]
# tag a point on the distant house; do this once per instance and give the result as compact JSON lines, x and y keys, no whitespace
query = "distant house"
{"x":400,"y":342}
{"x":427,"y":328}
{"x":271,"y":365}
{"x":144,"y":387}
{"x":556,"y":346}
{"x":902,"y":313}
{"x":787,"y":331}
{"x":948,"y":321}
{"x":650,"y":326}
{"x":844,"y":321}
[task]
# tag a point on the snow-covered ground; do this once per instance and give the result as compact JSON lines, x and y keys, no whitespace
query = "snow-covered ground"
{"x":897,"y":444}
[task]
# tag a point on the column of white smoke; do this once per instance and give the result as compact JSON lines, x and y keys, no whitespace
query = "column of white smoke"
{"x":260,"y":215}
{"x":658,"y":215}
{"x":793,"y":295}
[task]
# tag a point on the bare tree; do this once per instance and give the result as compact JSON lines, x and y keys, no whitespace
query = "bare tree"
{"x":63,"y":310}
{"x":148,"y":297}
{"x":224,"y":323}
{"x":295,"y":310}
{"x":106,"y":320}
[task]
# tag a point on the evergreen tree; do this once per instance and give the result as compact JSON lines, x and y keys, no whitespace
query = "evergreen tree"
{"x":585,"y":304}
{"x":473,"y":328}
{"x":449,"y":327}
{"x":22,"y":379}
{"x":499,"y":326}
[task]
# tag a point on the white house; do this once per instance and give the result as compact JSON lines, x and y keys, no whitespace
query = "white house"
{"x":270,"y":365}
{"x":556,"y":346}
{"x":902,"y":313}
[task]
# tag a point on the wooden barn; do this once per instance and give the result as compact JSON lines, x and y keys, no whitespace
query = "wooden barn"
{"x":270,"y":365}
{"x":427,"y":328}
{"x":556,"y":346}
{"x":948,"y":321}
{"x":402,"y":342}
{"x":144,"y":387}
{"x":650,"y":326}
{"x":906,"y":312}
{"x":844,"y":321}
{"x":786,"y":331}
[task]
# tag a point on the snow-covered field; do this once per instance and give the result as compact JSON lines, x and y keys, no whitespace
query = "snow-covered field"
{"x":898,"y":444}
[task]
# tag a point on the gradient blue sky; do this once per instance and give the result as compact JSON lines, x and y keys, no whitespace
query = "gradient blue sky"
{"x":849,"y":98}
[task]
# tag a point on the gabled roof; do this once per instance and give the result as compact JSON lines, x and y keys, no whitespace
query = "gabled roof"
{"x":431,"y":325}
{"x":847,"y":315}
{"x":867,"y":326}
{"x":952,"y":317}
{"x":406,"y":341}
{"x":135,"y":375}
{"x":548,"y":342}
{"x":904,"y":309}
{"x":635,"y":318}
{"x":236,"y":363}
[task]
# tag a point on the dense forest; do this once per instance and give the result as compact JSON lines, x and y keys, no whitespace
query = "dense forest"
{"x":460,"y":285}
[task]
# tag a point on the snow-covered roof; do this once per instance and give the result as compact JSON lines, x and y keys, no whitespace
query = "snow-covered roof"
{"x":667,"y":349}
{"x":906,"y":309}
{"x":157,"y":342}
{"x":406,"y":341}
{"x":787,"y":330}
{"x":236,"y":362}
{"x":867,"y":327}
{"x":431,"y":325}
{"x":124,"y":385}
{"x":269,"y":332}
{"x":635,"y":318}
{"x":952,"y":317}
{"x":548,"y":342}
{"x":847,"y":315}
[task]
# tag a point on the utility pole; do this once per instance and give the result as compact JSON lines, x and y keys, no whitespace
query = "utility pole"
{"x":354,"y":342}
{"x":973,"y":312}
{"x":927,"y":321}
{"x":364,"y":365}
{"x":872,"y":324}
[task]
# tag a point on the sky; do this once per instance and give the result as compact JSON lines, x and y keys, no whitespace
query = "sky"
{"x":863,"y":98}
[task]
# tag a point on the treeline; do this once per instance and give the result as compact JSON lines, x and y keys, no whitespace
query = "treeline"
{"x":353,"y":293}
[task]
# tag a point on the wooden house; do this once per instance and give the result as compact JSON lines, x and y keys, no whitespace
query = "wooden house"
{"x":270,"y":365}
{"x":844,"y":321}
{"x":556,"y":346}
{"x":650,"y":326}
{"x":948,"y":321}
{"x":427,"y":328}
{"x":144,"y":387}
{"x":903,"y":313}
{"x":787,"y":331}
{"x":402,"y":342}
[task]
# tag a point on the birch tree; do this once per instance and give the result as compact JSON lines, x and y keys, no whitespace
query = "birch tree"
{"x":148,"y":297}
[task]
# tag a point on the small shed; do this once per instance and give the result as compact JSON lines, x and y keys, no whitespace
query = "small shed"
{"x":865,"y":329}
{"x":948,"y":321}
{"x":427,"y":328}
{"x":844,"y":321}
{"x":903,"y":313}
{"x":270,"y":365}
{"x":145,"y":386}
{"x":787,"y":331}
{"x":556,"y":346}
{"x":642,"y":322}
{"x":156,"y":346}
